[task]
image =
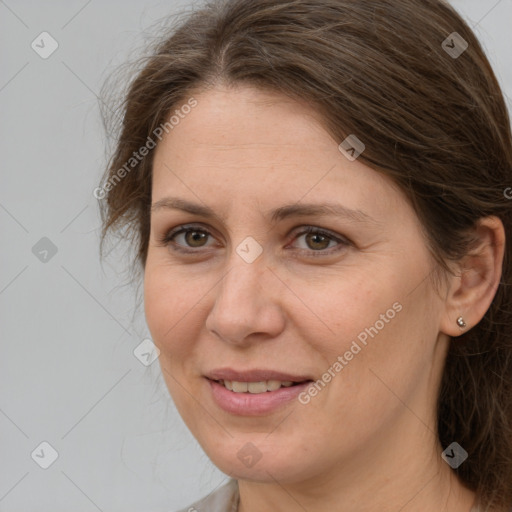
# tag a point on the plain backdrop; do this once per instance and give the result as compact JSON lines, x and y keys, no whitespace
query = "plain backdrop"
{"x":70,"y":328}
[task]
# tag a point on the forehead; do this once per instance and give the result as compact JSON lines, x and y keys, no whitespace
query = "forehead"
{"x":245,"y":142}
{"x":245,"y":119}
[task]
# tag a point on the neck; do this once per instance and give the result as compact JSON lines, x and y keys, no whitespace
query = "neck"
{"x":406,"y":475}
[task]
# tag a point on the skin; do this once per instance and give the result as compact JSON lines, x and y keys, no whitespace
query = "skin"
{"x":367,"y":441}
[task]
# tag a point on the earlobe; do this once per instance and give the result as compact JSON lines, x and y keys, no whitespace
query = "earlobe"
{"x":473,"y":291}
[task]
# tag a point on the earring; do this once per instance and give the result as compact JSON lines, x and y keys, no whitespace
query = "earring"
{"x":461,"y":323}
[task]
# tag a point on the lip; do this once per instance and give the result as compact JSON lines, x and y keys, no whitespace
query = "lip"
{"x":253,"y":404}
{"x":254,"y":375}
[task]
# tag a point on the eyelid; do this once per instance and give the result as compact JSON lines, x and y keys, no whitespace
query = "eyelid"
{"x":342,"y":241}
{"x":165,"y":239}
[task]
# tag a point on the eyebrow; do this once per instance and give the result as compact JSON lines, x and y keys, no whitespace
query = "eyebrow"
{"x":281,"y":213}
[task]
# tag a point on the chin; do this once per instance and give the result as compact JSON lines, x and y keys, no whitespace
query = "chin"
{"x":242,"y":460}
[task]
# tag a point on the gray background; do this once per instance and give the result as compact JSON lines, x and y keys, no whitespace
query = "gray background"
{"x":70,"y":325}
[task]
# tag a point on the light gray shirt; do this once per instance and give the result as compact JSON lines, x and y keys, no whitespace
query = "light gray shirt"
{"x":223,"y":499}
{"x":226,"y":499}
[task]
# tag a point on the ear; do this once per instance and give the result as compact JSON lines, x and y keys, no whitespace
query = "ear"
{"x":472,"y":291}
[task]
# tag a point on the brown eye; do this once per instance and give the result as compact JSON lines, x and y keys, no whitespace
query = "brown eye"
{"x":191,"y":238}
{"x":317,"y":242}
{"x":195,"y":238}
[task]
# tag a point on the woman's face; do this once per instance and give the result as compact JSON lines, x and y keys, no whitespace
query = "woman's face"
{"x":349,"y":306}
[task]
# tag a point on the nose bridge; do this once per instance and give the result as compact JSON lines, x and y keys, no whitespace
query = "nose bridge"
{"x":247,"y":266}
{"x":242,"y":298}
{"x":241,"y":285}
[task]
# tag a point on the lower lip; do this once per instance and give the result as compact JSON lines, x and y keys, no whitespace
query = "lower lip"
{"x":254,"y":404}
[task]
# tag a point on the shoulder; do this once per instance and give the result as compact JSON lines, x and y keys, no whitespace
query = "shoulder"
{"x":222,"y":499}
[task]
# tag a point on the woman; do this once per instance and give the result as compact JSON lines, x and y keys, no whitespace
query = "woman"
{"x":316,"y":191}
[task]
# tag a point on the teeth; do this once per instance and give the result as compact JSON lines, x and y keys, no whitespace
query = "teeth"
{"x":255,"y":387}
{"x":272,"y":385}
{"x":239,"y":387}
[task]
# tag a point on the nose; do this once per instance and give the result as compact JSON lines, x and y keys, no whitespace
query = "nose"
{"x":247,"y":303}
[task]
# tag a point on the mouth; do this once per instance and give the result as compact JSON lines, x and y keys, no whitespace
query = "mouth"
{"x":256,"y":387}
{"x":254,"y":392}
{"x":256,"y":380}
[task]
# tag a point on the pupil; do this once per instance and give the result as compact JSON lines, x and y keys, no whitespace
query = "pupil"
{"x":196,"y":236}
{"x":317,"y":236}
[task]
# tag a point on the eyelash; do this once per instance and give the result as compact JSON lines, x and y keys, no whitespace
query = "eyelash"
{"x":167,"y":240}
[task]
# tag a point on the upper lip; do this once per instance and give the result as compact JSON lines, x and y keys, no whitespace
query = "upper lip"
{"x":255,"y":375}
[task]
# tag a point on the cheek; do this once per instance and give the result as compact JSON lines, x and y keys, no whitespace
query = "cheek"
{"x":382,"y":358}
{"x":372,"y":324}
{"x":342,"y":308}
{"x":169,"y":306}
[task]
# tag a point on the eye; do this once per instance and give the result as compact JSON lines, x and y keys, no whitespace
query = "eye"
{"x":195,"y":237}
{"x":318,"y":240}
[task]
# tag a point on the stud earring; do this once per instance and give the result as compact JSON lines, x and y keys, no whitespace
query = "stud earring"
{"x":461,"y":323}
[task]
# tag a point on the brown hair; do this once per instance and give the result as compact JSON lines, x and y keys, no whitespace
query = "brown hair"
{"x":434,"y":122}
